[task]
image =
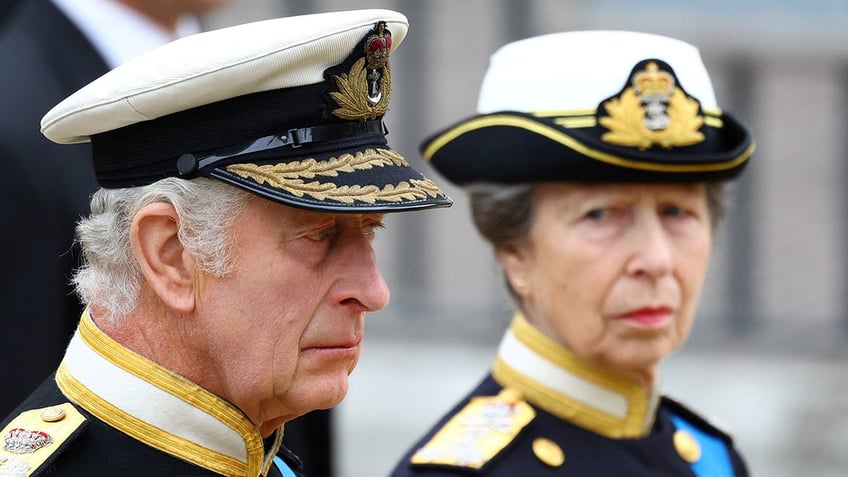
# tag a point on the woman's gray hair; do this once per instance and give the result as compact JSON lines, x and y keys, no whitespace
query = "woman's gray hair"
{"x":110,"y":277}
{"x":503,"y":214}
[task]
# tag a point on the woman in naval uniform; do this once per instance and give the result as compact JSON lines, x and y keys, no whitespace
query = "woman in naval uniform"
{"x":596,"y":168}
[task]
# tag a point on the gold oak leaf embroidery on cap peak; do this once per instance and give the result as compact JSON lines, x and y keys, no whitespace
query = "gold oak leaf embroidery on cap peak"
{"x":290,"y":177}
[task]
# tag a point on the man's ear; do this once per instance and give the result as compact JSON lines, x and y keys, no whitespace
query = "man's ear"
{"x":166,"y":266}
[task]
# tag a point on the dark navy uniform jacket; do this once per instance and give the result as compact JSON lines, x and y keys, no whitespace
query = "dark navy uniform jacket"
{"x":95,"y":448}
{"x":543,"y":413}
{"x":110,"y":412}
{"x":586,"y":454}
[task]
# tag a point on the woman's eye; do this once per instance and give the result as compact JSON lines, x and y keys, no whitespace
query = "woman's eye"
{"x":673,"y":211}
{"x":596,"y":214}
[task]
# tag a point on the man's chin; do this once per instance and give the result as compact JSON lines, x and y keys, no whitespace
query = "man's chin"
{"x":325,"y":392}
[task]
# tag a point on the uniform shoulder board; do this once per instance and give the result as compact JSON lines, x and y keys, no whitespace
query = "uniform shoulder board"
{"x":708,"y":425}
{"x":478,"y":432}
{"x":34,"y":436}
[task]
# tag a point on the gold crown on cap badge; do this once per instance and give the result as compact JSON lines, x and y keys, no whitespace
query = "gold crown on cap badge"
{"x":653,"y":110}
{"x":365,"y":89}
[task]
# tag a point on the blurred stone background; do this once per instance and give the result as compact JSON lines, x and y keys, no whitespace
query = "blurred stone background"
{"x":768,"y":352}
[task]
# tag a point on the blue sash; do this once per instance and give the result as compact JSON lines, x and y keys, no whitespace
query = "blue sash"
{"x":285,"y":469}
{"x":715,"y":459}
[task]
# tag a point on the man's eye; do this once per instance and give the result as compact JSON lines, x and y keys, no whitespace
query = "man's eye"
{"x":322,"y":235}
{"x":369,"y":230}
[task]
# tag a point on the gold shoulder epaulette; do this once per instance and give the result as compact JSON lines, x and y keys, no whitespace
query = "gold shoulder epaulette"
{"x":32,"y":437}
{"x":477,"y":433}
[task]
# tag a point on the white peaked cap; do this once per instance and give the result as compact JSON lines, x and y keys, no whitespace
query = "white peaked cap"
{"x":289,"y":109}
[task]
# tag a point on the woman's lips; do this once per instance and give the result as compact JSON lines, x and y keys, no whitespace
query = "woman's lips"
{"x":651,"y":317}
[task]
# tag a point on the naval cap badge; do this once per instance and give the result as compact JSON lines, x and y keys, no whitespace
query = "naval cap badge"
{"x":364,"y":91}
{"x":377,"y":48}
{"x":653,"y":109}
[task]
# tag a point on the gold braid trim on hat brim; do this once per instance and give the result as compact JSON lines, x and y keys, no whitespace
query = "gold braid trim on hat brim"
{"x":587,"y":118}
{"x":290,"y":177}
{"x":520,"y":122}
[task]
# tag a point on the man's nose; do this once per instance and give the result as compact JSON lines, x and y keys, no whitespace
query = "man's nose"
{"x":363,"y":281}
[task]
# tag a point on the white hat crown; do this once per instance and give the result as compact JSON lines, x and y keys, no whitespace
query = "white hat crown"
{"x":589,"y":67}
{"x":214,"y":66}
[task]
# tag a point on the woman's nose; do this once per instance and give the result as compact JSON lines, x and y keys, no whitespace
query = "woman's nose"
{"x":653,"y":250}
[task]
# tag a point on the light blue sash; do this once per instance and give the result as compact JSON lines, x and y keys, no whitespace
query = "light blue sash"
{"x":715,"y":459}
{"x":285,"y":469}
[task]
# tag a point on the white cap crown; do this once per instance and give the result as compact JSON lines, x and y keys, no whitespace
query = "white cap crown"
{"x":589,"y":67}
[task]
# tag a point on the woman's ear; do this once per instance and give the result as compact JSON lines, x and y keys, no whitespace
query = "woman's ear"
{"x":167,"y":268}
{"x":514,"y":263}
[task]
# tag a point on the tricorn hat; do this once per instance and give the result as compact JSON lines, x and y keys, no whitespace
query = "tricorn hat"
{"x":593,"y":106}
{"x":290,"y":109}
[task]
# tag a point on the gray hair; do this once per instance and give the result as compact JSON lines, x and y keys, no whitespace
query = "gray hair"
{"x":503,"y":214}
{"x":110,"y":277}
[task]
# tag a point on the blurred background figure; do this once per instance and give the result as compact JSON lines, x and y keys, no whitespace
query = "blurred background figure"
{"x":48,"y":50}
{"x":5,"y":7}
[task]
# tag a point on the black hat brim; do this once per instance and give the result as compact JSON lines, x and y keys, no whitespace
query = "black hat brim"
{"x":513,"y":147}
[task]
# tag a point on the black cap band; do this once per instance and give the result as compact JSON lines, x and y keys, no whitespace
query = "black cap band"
{"x":147,"y":151}
{"x":190,"y":165}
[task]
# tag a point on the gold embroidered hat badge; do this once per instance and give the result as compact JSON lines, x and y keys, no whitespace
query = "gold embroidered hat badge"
{"x":364,"y":90}
{"x":358,"y":170}
{"x":362,"y":173}
{"x":652,"y":110}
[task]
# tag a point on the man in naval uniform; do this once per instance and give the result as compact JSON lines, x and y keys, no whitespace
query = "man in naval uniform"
{"x":228,"y":254}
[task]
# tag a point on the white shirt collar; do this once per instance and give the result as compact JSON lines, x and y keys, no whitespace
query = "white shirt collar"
{"x":550,"y":377}
{"x":118,"y":32}
{"x":155,"y":406}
